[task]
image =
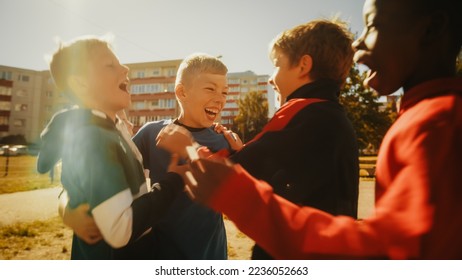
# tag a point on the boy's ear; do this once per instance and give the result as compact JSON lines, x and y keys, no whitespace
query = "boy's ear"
{"x":180,"y":91}
{"x":305,"y":65}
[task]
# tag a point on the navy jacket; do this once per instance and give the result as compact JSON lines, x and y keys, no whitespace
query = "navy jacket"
{"x":313,"y":160}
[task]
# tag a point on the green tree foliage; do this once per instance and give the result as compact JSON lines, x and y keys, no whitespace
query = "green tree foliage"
{"x":369,"y":120}
{"x":253,"y":115}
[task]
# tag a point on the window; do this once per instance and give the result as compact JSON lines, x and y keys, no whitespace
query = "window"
{"x":5,"y":91}
{"x":226,"y":113}
{"x":24,"y":78}
{"x":262,"y":79}
{"x":146,"y":88}
{"x":19,"y":122}
{"x":234,"y":81}
{"x":21,"y":93}
{"x":5,"y":106}
{"x":4,"y":120}
{"x":6,"y":75}
{"x":170,"y":72}
{"x":49,"y":94}
{"x":20,"y":107}
{"x":139,"y":105}
{"x":153,"y":88}
{"x":139,"y":74}
{"x":171,"y":87}
{"x":235,"y":89}
{"x":231,"y":105}
{"x":156,"y":72}
{"x":154,"y":104}
{"x":261,"y":87}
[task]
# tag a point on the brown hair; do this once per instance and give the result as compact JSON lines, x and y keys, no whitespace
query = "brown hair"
{"x":328,"y":42}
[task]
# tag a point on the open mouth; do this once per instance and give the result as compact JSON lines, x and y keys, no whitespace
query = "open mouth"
{"x":124,"y":86}
{"x":212,"y":113}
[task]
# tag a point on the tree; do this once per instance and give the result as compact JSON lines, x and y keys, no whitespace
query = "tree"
{"x":253,"y":115}
{"x":369,"y":119}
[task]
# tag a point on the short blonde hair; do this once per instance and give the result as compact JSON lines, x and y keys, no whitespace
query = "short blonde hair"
{"x":72,"y":58}
{"x":196,"y":64}
{"x":328,"y":42}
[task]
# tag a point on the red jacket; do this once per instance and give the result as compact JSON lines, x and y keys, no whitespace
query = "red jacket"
{"x":418,"y":193}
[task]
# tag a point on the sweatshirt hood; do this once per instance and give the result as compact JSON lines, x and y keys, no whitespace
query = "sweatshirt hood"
{"x":53,"y":136}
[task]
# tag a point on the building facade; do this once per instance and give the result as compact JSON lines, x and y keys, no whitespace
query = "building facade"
{"x":152,"y":88}
{"x":28,"y":98}
{"x":240,"y":84}
{"x":27,"y":102}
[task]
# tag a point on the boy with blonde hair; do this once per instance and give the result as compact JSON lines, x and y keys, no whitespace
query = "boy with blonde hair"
{"x":98,"y":166}
{"x":307,"y":152}
{"x":189,"y":230}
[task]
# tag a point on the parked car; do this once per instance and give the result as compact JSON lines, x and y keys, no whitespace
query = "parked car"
{"x":13,"y":150}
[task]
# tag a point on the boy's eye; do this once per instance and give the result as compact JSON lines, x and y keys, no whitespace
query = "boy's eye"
{"x":210,"y":89}
{"x":224,"y":93}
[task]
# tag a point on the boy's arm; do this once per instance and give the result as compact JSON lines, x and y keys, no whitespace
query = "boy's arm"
{"x":152,"y":206}
{"x":79,"y":220}
{"x":288,"y":231}
{"x":233,"y":139}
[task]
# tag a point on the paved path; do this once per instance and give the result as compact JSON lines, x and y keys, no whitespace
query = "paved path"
{"x":366,"y":199}
{"x":29,"y":206}
{"x":43,"y":204}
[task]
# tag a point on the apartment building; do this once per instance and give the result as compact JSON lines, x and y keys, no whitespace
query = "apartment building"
{"x":241,"y":83}
{"x":28,"y":98}
{"x":152,"y":87}
{"x":27,"y":102}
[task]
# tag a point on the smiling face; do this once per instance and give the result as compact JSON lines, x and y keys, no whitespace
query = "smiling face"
{"x":389,"y":45}
{"x":202,"y":99}
{"x":106,"y":82}
{"x":285,"y":78}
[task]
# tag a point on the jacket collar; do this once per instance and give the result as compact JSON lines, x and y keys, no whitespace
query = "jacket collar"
{"x":322,"y":89}
{"x":429,"y":89}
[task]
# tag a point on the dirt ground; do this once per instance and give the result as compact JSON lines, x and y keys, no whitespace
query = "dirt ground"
{"x":51,"y":240}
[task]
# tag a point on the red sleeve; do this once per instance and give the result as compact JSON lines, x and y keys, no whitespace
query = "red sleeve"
{"x":288,"y":231}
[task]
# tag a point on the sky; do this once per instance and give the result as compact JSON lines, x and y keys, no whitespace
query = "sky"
{"x":151,"y":30}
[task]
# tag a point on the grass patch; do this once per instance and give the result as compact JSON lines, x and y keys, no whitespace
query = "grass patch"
{"x":39,"y":240}
{"x":23,"y":176}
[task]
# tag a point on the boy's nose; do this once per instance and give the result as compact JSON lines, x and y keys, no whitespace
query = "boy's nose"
{"x":356,"y":45}
{"x":125,"y":68}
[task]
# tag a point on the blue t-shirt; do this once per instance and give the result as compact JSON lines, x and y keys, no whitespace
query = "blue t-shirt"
{"x":189,"y":230}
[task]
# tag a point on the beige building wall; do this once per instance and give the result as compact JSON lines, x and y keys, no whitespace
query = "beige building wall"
{"x":28,"y":98}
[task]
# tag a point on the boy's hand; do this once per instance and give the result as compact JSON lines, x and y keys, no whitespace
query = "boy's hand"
{"x":175,"y":139}
{"x":204,"y":177}
{"x":233,"y":139}
{"x":83,"y":224}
